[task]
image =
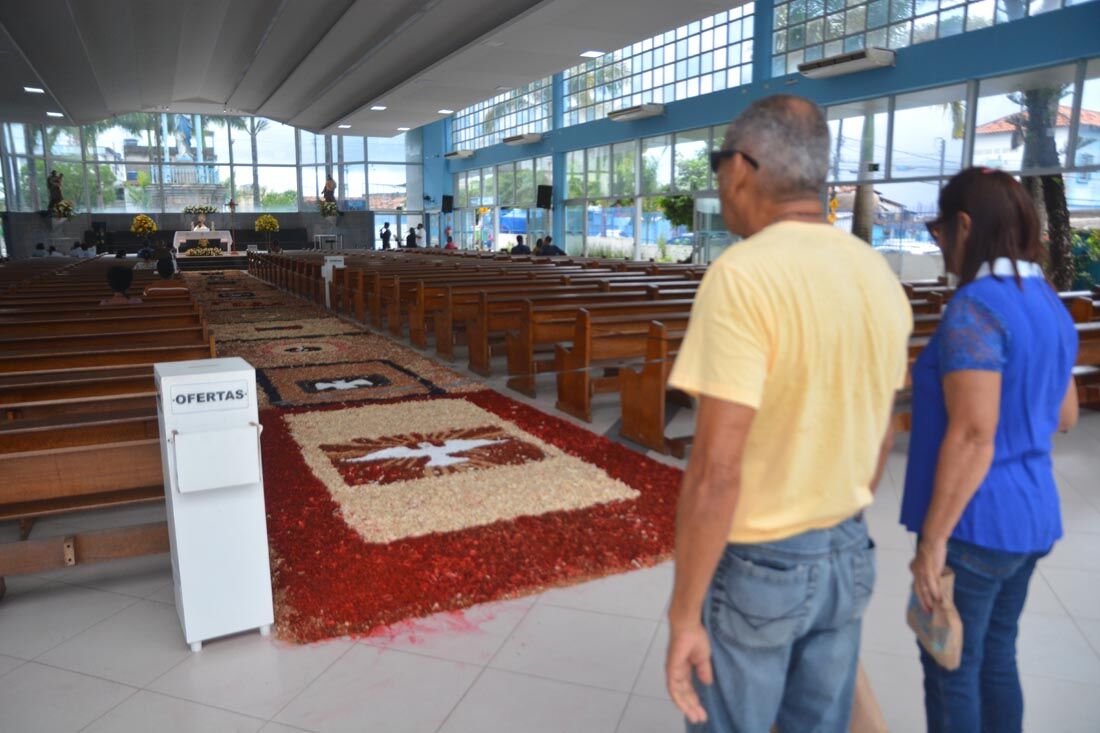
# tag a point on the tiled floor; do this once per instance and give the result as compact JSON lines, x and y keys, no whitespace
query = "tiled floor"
{"x":99,"y":648}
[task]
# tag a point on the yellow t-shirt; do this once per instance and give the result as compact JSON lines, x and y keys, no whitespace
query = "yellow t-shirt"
{"x":809,"y":326}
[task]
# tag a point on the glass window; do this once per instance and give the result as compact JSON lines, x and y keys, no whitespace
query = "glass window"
{"x":928,"y":132}
{"x":1088,"y":129}
{"x":692,"y":160}
{"x":657,"y":164}
{"x":387,"y":185}
{"x":598,"y":161}
{"x":278,"y":188}
{"x":574,"y":230}
{"x":624,"y":157}
{"x":473,"y":186}
{"x":312,"y":148}
{"x":386,"y":149}
{"x":515,"y":112}
{"x":506,"y":184}
{"x":858,"y":135}
{"x":488,"y":187}
{"x":544,"y":171}
{"x":525,"y":183}
{"x":1023,"y":120}
{"x":574,"y":174}
{"x":313,"y":182}
{"x":414,"y":187}
{"x":353,"y":148}
{"x":63,"y":142}
{"x":461,"y":201}
{"x":352,"y":193}
{"x":197,"y":185}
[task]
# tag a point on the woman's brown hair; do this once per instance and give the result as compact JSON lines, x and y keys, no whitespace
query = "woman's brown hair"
{"x":1003,"y":221}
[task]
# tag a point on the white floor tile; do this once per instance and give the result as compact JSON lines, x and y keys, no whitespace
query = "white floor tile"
{"x":897,"y":681}
{"x":133,"y":576}
{"x":148,"y":711}
{"x":1077,"y":589}
{"x":371,"y":689}
{"x":1041,"y":597}
{"x":43,"y":615}
{"x":1090,"y":627}
{"x":249,"y":674}
{"x":164,"y":594}
{"x":642,"y":593}
{"x":893,"y":577}
{"x":1079,"y":551}
{"x":884,"y":626}
{"x":887,"y":533}
{"x":280,"y":728}
{"x":7,"y":664}
{"x":502,"y":701}
{"x":578,"y":646}
{"x":135,"y":646}
{"x":1053,"y":646}
{"x":473,"y":635}
{"x":649,"y":715}
{"x":39,"y":699}
{"x":1056,"y":705}
{"x":651,"y":680}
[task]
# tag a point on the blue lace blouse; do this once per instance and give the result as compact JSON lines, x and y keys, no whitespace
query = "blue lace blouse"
{"x":1026,"y":334}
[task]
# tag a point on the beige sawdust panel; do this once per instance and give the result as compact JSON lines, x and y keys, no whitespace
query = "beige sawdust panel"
{"x":385,"y":513}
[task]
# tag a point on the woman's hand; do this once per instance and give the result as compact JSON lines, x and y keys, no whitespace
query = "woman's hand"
{"x":688,"y":652}
{"x":927,"y":567}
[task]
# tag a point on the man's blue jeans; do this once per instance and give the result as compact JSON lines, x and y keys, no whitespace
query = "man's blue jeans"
{"x":784,"y":625}
{"x":983,"y":695}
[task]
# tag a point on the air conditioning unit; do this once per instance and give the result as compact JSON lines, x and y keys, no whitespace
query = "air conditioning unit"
{"x":529,"y":138}
{"x":459,"y":154}
{"x":637,"y":112}
{"x":847,"y":63}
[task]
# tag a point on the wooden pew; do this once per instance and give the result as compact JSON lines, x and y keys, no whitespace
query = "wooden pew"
{"x":643,"y":392}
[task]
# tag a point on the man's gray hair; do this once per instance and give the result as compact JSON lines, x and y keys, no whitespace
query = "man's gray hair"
{"x":789,"y":137}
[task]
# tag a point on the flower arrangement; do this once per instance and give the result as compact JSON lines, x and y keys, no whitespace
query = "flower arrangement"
{"x":143,"y":225}
{"x":327,"y":208}
{"x":266,"y":223}
{"x":193,"y":210}
{"x":63,"y":210}
{"x":203,"y":249}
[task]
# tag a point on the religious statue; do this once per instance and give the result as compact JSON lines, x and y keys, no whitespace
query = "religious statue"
{"x":53,"y":183}
{"x":329,"y":191}
{"x":183,"y":137}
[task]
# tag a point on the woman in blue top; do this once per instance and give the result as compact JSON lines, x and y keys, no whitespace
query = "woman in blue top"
{"x":989,"y":391}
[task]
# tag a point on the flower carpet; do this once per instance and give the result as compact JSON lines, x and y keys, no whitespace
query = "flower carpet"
{"x":398,"y":488}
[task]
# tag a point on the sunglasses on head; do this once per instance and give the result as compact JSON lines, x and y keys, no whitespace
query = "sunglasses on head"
{"x":717,"y":156}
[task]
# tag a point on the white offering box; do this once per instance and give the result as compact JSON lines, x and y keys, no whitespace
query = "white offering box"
{"x":210,"y":448}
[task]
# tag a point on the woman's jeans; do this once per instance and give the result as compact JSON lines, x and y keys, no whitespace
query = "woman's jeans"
{"x":784,"y":624}
{"x":983,"y":695}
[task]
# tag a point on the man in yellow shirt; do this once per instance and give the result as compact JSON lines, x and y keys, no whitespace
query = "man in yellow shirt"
{"x":796,"y":347}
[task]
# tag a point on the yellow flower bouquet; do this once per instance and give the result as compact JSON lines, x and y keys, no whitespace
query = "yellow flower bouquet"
{"x":143,"y":225}
{"x":266,"y":223}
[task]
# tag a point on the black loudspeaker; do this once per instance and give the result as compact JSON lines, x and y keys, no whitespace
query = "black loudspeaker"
{"x":545,"y":198}
{"x":448,"y":204}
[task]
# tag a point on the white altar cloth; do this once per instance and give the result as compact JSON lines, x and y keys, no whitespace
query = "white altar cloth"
{"x":218,"y":234}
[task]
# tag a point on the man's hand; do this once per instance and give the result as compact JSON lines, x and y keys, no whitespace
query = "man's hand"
{"x":688,"y":651}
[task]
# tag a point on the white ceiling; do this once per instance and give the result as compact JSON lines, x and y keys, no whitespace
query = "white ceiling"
{"x":310,"y":63}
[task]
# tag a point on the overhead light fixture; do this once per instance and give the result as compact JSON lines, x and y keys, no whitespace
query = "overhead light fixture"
{"x":34,"y":90}
{"x":503,"y":88}
{"x":402,"y":129}
{"x":458,"y":154}
{"x":527,"y":139}
{"x":379,"y":108}
{"x":446,"y":111}
{"x":344,"y":127}
{"x":592,"y":54}
{"x":54,"y":114}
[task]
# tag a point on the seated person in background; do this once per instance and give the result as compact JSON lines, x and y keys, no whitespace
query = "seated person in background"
{"x":166,"y":286}
{"x":549,"y":249}
{"x":39,"y":250}
{"x":520,"y":248}
{"x":119,"y":280}
{"x":90,"y":251}
{"x":120,"y":254}
{"x":74,"y":251}
{"x":538,"y":245}
{"x":275,"y":247}
{"x":450,"y":243}
{"x":148,"y":260}
{"x":53,"y":252}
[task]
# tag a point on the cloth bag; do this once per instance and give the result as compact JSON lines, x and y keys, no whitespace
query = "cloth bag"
{"x":940,"y":632}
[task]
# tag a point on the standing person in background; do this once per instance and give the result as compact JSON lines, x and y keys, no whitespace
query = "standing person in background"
{"x":450,"y":243}
{"x":990,"y":389}
{"x":410,"y":239}
{"x":421,"y":240}
{"x":774,"y":566}
{"x":385,"y":235}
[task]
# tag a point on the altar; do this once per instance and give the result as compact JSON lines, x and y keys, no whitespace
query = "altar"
{"x":214,"y":235}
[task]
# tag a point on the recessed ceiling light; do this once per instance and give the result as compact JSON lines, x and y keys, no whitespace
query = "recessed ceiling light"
{"x":592,"y":54}
{"x":379,"y":108}
{"x":344,"y":127}
{"x":34,"y":90}
{"x":446,"y":111}
{"x":402,"y":129}
{"x":54,"y":114}
{"x":495,"y":43}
